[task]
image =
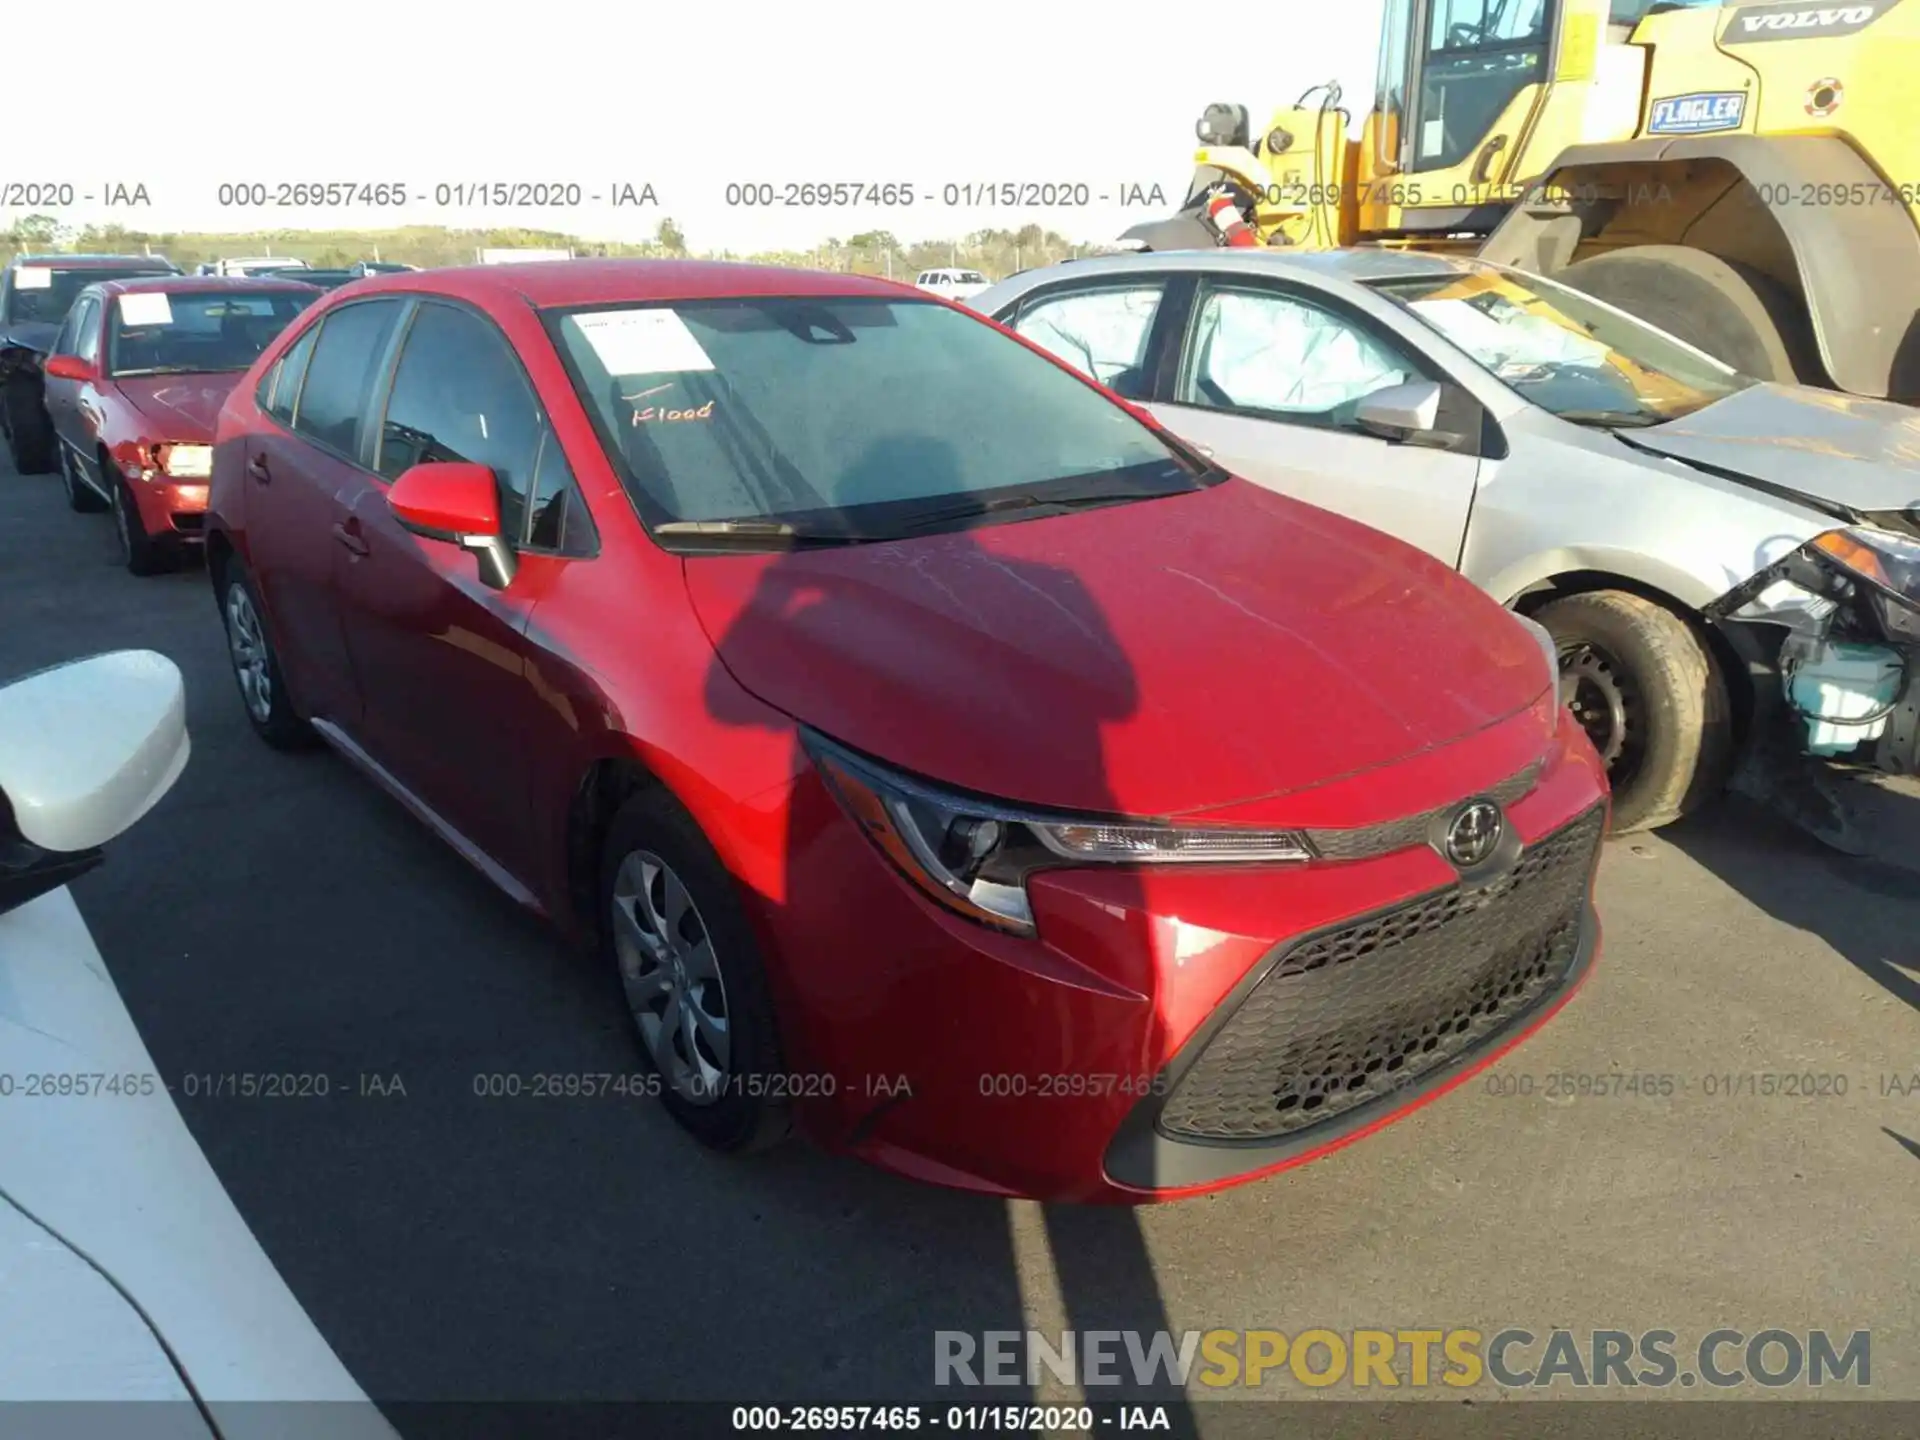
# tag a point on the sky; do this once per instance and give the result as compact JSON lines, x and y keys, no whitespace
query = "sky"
{"x":690,"y":100}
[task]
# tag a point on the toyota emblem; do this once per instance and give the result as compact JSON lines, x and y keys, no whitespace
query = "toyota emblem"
{"x":1474,"y":834}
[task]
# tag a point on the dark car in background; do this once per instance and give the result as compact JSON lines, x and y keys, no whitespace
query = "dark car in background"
{"x":134,"y":380}
{"x":36,"y":292}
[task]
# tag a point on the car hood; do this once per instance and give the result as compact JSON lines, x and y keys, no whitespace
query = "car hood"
{"x":32,"y":334}
{"x":184,"y":406}
{"x":1828,"y":447}
{"x":1155,"y":658}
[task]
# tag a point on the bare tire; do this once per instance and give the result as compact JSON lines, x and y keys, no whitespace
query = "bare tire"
{"x":29,"y":430}
{"x":80,"y":495}
{"x":1648,"y":691}
{"x":673,"y":926}
{"x":1734,"y":313}
{"x":256,"y":665}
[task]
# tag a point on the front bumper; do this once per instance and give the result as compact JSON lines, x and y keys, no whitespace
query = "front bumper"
{"x":1331,"y":1036}
{"x":171,"y":509}
{"x":1070,"y":1067}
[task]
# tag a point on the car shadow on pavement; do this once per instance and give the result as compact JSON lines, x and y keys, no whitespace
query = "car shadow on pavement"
{"x":845,"y":604}
{"x":1800,"y":882}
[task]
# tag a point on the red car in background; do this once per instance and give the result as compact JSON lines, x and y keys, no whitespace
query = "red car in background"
{"x":944,"y":756}
{"x":134,"y":382}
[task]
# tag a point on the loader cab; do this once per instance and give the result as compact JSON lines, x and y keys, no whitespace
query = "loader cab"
{"x":1459,"y":81}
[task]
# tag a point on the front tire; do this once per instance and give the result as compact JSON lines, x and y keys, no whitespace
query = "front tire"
{"x":674,"y":928}
{"x":29,"y":430}
{"x":139,"y":551}
{"x":256,"y":666}
{"x":1648,"y":691}
{"x":81,"y":497}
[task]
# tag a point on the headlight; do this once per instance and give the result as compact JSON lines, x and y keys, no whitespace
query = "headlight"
{"x":1883,"y":559}
{"x":186,"y":462}
{"x":974,"y":855}
{"x":1549,"y":647}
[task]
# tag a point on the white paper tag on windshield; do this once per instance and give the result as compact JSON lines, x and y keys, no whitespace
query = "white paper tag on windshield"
{"x":642,"y":342}
{"x":145,"y":310}
{"x":32,"y":277}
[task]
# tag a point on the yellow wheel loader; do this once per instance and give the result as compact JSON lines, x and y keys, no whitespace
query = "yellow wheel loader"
{"x":1745,"y":175}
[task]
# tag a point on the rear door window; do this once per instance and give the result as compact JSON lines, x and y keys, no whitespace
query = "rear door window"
{"x":341,"y":375}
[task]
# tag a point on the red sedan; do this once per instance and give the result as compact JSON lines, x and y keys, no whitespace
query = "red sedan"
{"x":134,"y":381}
{"x":950,"y":761}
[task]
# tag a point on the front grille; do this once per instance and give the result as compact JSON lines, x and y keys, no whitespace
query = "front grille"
{"x":189,"y":520}
{"x":1347,"y":1017}
{"x":1405,"y":833}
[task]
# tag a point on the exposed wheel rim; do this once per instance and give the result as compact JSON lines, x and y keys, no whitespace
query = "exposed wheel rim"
{"x":247,"y":644}
{"x":122,"y":523}
{"x":1608,"y":704}
{"x":672,"y":978}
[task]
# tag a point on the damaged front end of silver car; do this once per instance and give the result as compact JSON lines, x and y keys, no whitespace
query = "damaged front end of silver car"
{"x":1830,"y":637}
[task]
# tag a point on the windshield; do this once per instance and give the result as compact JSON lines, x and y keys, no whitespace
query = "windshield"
{"x":864,"y":416}
{"x":1563,"y":351}
{"x":199,"y":332}
{"x":45,"y":293}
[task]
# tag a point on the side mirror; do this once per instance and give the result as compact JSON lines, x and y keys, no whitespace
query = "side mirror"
{"x":1400,"y":411}
{"x":70,"y":367}
{"x":86,"y":749}
{"x":1415,"y":414}
{"x":458,"y":502}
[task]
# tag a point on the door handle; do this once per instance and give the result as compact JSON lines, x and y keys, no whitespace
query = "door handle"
{"x":1483,"y":163}
{"x":257,"y":468}
{"x":1206,"y":450}
{"x":348,"y":534}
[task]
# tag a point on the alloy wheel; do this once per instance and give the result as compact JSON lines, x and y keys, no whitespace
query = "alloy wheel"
{"x":247,"y":643}
{"x":672,"y":978}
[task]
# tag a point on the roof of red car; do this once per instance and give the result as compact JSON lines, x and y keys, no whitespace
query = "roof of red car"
{"x":181,"y":284}
{"x":583,"y":282}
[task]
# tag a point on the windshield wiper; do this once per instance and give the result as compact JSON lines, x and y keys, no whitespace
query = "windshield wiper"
{"x":179,"y":370}
{"x":1612,"y":419}
{"x":1026,"y":500}
{"x":773,"y":534}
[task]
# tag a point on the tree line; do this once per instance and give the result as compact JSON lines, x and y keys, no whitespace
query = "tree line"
{"x":995,"y":253}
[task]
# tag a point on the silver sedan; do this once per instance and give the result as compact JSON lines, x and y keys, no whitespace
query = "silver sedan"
{"x":1731,"y":568}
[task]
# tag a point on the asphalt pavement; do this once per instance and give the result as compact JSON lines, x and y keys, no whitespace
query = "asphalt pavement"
{"x":280,"y":915}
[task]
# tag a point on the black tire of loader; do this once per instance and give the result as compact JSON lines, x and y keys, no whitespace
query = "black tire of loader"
{"x":1737,"y":315}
